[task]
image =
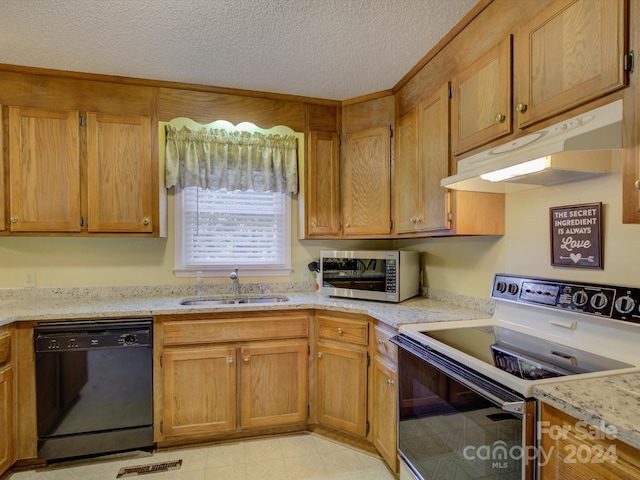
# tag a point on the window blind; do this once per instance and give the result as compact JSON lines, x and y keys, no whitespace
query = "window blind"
{"x":233,"y":228}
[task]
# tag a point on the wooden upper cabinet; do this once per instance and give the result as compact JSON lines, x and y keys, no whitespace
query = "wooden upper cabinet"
{"x":481,"y":100}
{"x":570,"y":53}
{"x":422,"y":160}
{"x":366,"y":190}
{"x":120,"y":184}
{"x":322,"y":186}
{"x":2,"y":160}
{"x":407,"y":197}
{"x":44,"y":170}
{"x":433,"y":148}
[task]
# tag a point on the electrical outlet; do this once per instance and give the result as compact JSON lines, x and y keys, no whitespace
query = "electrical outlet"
{"x":30,"y":279}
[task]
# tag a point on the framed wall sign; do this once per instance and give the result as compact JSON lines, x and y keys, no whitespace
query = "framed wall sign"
{"x":576,"y":235}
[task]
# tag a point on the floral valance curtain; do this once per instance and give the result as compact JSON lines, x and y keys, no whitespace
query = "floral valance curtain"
{"x":232,"y":160}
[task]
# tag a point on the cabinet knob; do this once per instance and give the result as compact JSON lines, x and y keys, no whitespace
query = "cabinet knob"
{"x":145,"y":221}
{"x":313,"y":224}
{"x":380,"y":342}
{"x":637,"y":184}
{"x":521,"y":107}
{"x":246,"y":358}
{"x":229,"y":359}
{"x":500,"y":117}
{"x":418,"y":219}
{"x":340,"y":331}
{"x":348,"y":225}
{"x":390,"y":382}
{"x":14,"y":219}
{"x":319,"y":354}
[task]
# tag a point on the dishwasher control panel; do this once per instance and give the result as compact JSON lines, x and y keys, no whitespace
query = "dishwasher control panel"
{"x":69,"y":336}
{"x":616,"y":302}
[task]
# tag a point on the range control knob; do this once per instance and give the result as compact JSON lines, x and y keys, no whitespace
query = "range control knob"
{"x":512,"y":288}
{"x":580,"y":298}
{"x":625,"y":304}
{"x":599,"y":301}
{"x":501,"y":287}
{"x":129,"y":340}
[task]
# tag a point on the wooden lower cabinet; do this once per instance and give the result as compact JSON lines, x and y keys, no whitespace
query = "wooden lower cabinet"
{"x":227,"y":374}
{"x":273,"y":383}
{"x":384,"y":417}
{"x":199,"y":391}
{"x":341,"y":371}
{"x":574,"y":450}
{"x":7,"y":401}
{"x":6,"y":418}
{"x":342,"y":388}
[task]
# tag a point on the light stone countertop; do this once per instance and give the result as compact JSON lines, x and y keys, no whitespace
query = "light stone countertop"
{"x":120,"y":302}
{"x":609,"y":403}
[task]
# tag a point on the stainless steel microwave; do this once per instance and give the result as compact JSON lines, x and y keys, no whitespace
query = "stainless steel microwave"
{"x":383,"y":275}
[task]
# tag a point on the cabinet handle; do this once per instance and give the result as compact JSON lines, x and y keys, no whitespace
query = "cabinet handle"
{"x":637,"y":184}
{"x":246,"y":358}
{"x":319,"y":354}
{"x":500,"y":117}
{"x":390,"y":382}
{"x":340,"y":331}
{"x":347,"y":225}
{"x":145,"y":221}
{"x":521,"y":107}
{"x":313,"y":224}
{"x":14,"y":219}
{"x":229,"y":359}
{"x":380,"y":342}
{"x":418,"y":219}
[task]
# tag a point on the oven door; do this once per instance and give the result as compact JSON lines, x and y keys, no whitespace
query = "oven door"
{"x":456,"y":424}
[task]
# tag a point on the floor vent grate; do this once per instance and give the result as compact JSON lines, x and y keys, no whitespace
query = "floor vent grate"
{"x":153,"y":468}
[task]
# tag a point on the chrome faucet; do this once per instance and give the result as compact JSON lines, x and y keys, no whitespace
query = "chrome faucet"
{"x":236,"y":281}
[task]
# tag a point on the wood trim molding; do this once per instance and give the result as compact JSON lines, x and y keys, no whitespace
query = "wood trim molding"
{"x":475,"y":11}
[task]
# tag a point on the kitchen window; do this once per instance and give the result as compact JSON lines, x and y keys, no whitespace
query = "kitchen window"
{"x":218,"y":230}
{"x":233,"y":188}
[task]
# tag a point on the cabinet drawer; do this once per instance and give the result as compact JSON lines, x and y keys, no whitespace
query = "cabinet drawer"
{"x":341,"y":330}
{"x":383,"y":346}
{"x":5,"y":348}
{"x":182,"y":332}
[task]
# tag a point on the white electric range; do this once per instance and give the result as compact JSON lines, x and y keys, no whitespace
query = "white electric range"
{"x":468,"y":384}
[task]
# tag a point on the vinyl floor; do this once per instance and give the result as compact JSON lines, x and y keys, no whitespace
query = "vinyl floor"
{"x":293,"y":457}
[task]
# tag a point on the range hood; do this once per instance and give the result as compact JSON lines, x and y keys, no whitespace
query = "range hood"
{"x":576,"y":149}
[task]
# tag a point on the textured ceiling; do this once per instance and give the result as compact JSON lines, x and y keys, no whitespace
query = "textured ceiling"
{"x":332,"y":49}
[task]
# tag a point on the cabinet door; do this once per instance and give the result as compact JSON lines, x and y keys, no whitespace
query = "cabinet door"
{"x":2,"y":160}
{"x":199,"y":391}
{"x":367,"y":183}
{"x":570,"y":53}
{"x":433,"y":128}
{"x":385,"y":407}
{"x":119,"y":168}
{"x":273,"y":383}
{"x":6,"y":418}
{"x":481,"y":102}
{"x":407,"y":191}
{"x":341,"y":388}
{"x":574,"y":450}
{"x":44,"y":170}
{"x":323,"y":186}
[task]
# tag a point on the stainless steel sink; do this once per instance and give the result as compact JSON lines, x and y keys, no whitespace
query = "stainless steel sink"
{"x":265,"y":299}
{"x":209,"y":301}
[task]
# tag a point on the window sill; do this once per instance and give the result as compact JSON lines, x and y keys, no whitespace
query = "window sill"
{"x":224,"y":272}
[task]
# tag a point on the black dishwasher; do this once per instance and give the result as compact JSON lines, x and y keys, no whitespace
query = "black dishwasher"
{"x":93,"y":387}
